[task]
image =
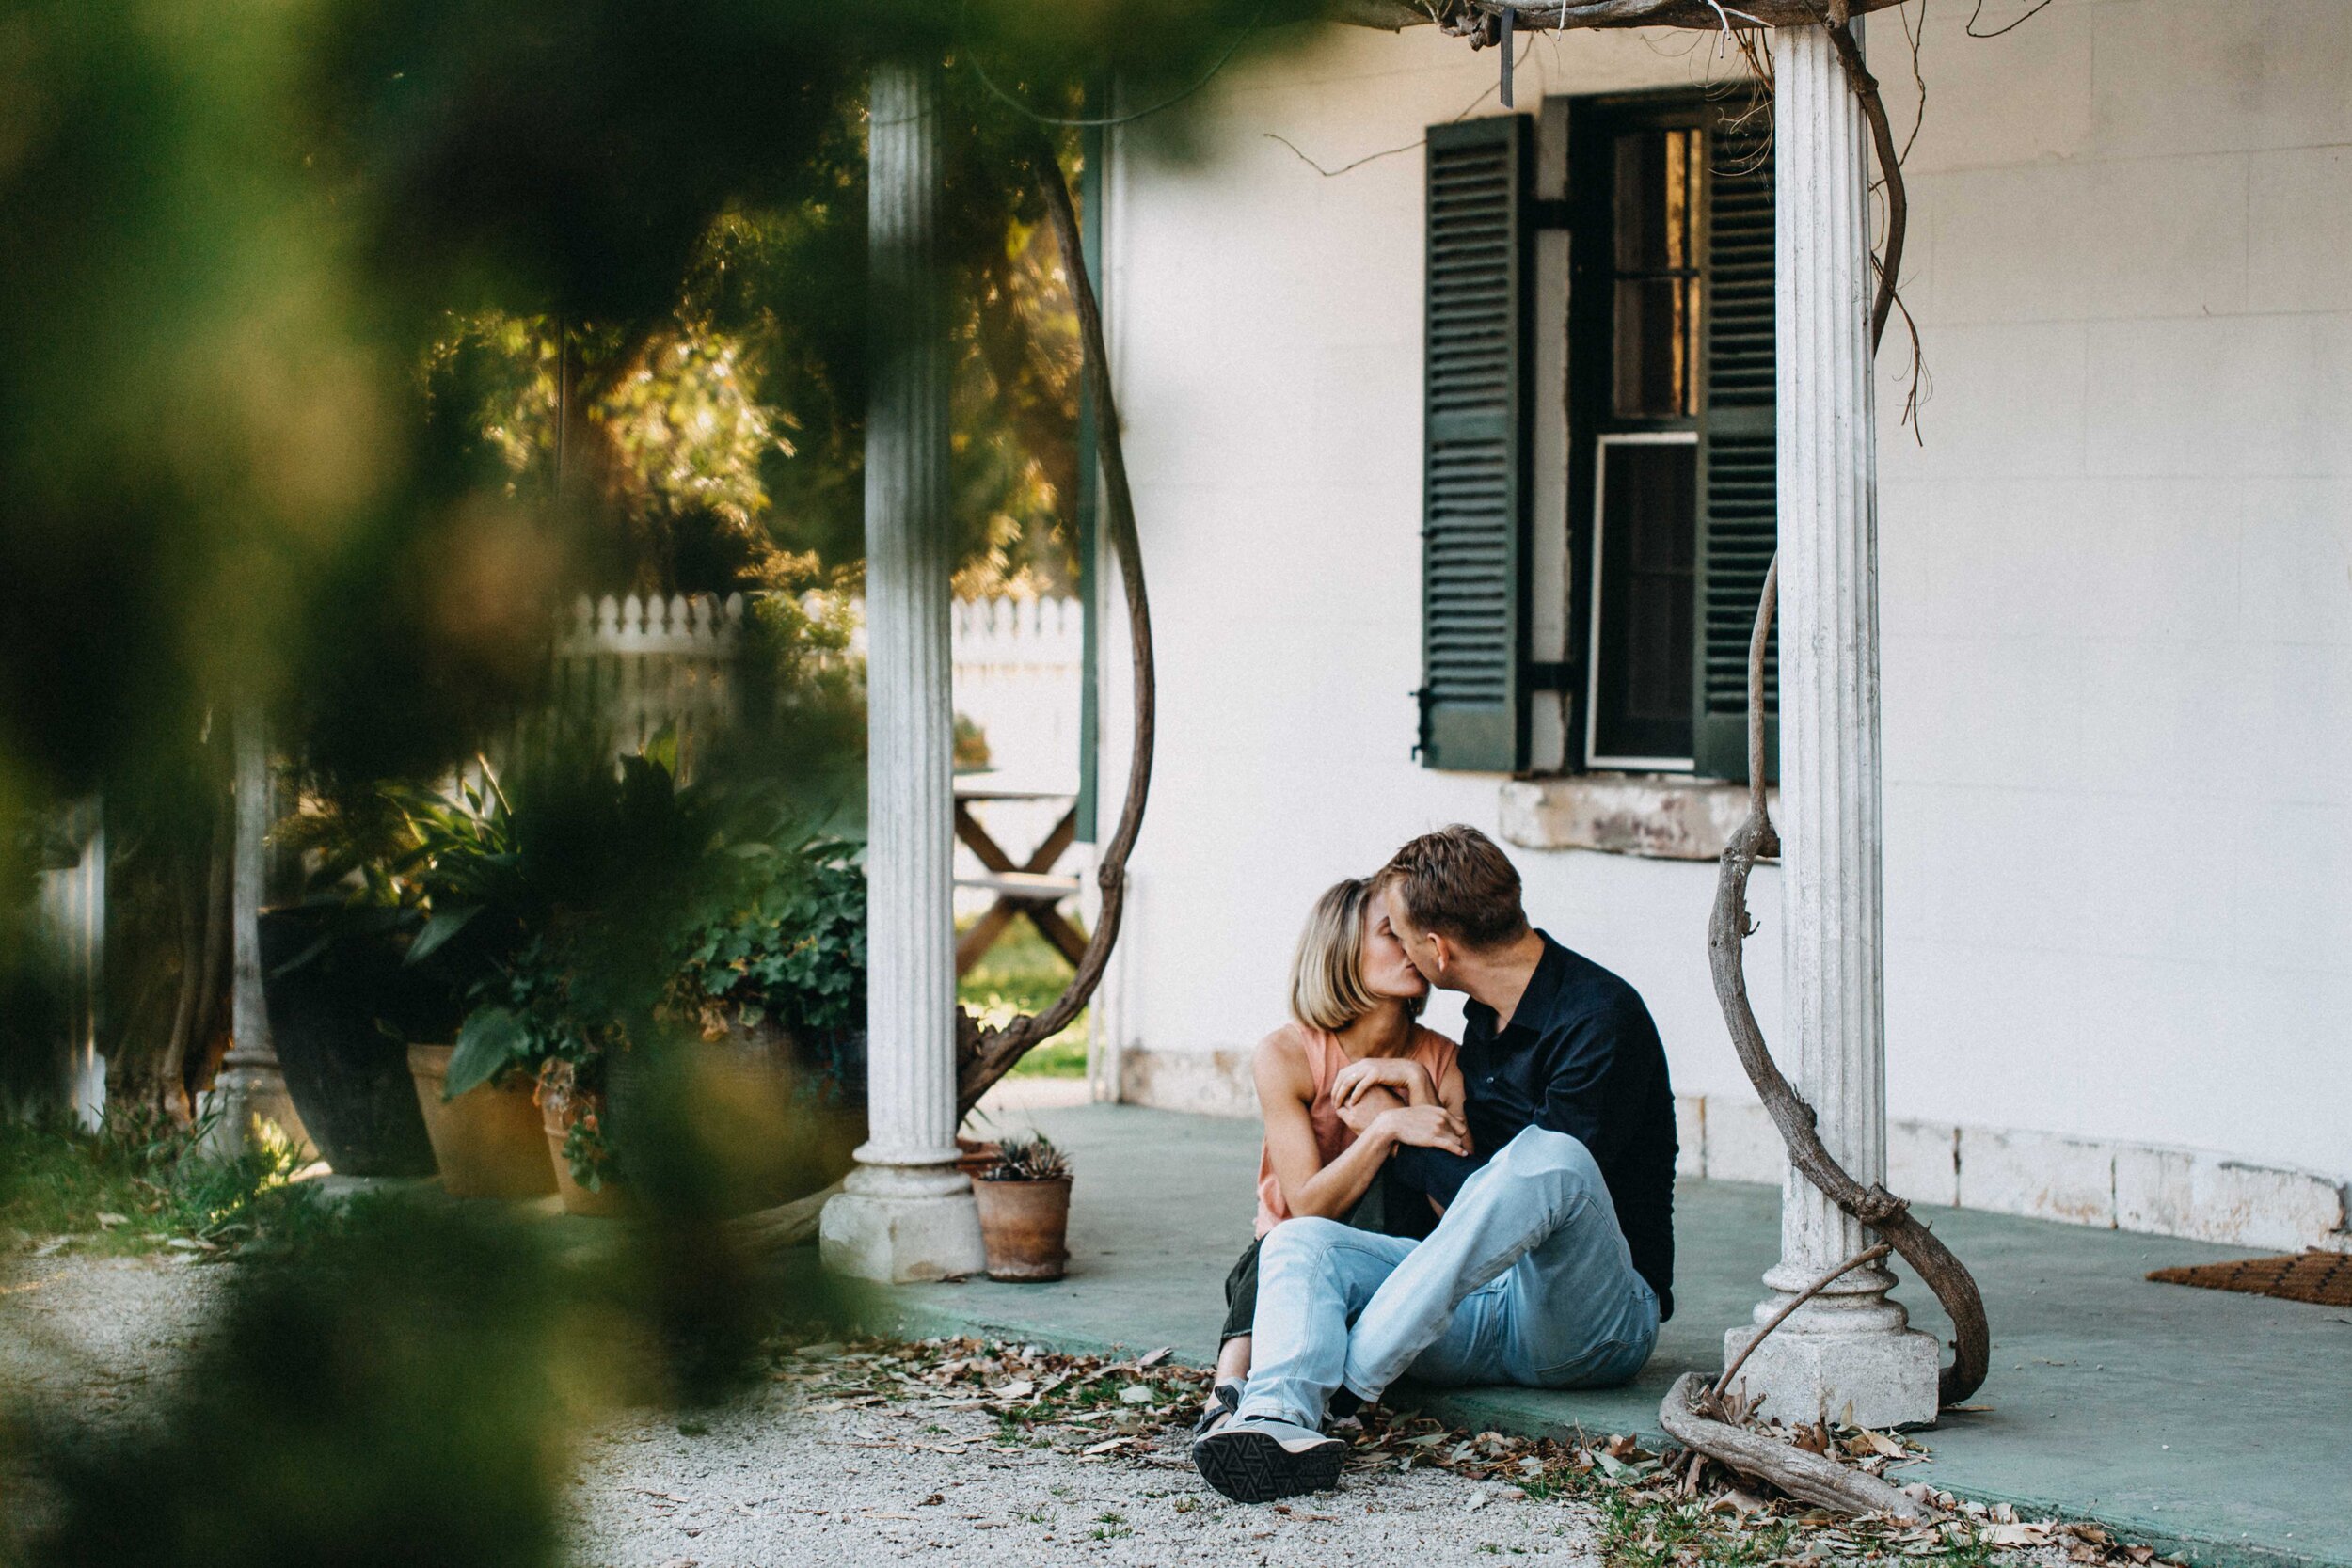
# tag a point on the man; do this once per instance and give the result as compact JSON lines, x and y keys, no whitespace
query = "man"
{"x":1552,"y":1265}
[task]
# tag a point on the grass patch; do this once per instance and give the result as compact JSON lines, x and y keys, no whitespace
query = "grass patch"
{"x":139,"y":1181}
{"x":1022,"y":974}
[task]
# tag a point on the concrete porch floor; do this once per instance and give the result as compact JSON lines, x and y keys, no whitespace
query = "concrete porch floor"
{"x":2216,"y":1425}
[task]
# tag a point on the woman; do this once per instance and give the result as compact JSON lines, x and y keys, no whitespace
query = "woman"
{"x":1341,"y":1086}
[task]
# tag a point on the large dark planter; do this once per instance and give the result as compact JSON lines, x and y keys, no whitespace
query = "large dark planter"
{"x":348,"y":1077}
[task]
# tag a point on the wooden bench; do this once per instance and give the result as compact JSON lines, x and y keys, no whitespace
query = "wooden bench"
{"x":1029,"y":891}
{"x":1023,"y":887}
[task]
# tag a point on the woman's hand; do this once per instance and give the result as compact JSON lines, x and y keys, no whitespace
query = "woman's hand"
{"x":1401,"y":1074}
{"x":1427,"y":1127}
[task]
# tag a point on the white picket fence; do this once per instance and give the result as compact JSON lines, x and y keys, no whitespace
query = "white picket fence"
{"x":636,"y":665}
{"x":1018,"y":664}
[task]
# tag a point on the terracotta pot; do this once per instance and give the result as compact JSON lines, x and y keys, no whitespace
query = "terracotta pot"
{"x":1025,"y":1228}
{"x":609,"y":1200}
{"x":974,"y":1158}
{"x":487,"y":1141}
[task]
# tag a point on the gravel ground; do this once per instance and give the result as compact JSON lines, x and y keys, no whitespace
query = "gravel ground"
{"x":107,"y":1328}
{"x":881,"y":1458}
{"x":779,"y":1478}
{"x":779,"y":1481}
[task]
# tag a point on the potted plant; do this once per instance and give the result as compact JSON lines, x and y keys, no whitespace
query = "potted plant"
{"x":532,"y":1039}
{"x":486,"y":1134}
{"x":572,"y":1115}
{"x":1024,"y":1211}
{"x":477,"y":1091}
{"x":770,"y":975}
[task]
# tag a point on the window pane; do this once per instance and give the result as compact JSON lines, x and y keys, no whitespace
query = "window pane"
{"x":1657,"y":346}
{"x":1648,"y":556}
{"x":1655,"y":312}
{"x":1657,"y":200}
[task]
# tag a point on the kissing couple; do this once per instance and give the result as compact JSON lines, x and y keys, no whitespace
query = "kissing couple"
{"x":1500,"y":1210}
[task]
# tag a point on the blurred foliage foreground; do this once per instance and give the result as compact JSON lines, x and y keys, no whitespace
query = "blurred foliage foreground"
{"x":392,"y":1377}
{"x":341,"y":341}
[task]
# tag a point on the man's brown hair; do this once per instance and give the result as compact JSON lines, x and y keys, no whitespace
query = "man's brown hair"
{"x":1456,"y":883}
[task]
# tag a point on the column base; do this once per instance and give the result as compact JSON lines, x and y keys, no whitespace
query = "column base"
{"x":1872,"y":1377}
{"x":248,"y":1092}
{"x":901,"y":1227}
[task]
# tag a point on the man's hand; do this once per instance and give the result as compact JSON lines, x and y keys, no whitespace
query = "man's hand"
{"x":1426,"y":1126}
{"x":1359,"y":1115}
{"x":1406,"y":1077}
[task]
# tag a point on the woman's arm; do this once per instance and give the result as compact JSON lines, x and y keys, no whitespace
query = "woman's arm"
{"x":1286,"y":1089}
{"x":1310,"y":1187}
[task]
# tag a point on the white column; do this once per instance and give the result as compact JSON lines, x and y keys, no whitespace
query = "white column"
{"x":906,"y":1213}
{"x":1850,"y":1346}
{"x":250,"y":1086}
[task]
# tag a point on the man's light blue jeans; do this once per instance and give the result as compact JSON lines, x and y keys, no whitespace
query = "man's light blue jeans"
{"x":1527,"y":1279}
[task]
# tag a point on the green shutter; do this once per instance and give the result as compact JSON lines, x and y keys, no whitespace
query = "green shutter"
{"x":1738,"y":511}
{"x":1475,"y":483}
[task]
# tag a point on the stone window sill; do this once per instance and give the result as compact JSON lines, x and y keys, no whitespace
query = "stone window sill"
{"x":1654,"y":815}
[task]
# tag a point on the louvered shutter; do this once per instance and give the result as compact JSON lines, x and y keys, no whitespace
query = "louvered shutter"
{"x":1475,"y":483}
{"x":1738,"y":526}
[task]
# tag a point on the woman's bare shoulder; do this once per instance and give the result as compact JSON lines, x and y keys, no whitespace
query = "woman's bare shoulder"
{"x":1284,"y":1052}
{"x":1285,"y":1044}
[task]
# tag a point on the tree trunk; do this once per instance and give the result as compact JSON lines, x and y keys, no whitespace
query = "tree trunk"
{"x":213,"y":972}
{"x":169,"y":1083}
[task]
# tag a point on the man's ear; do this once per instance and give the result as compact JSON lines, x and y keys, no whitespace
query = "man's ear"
{"x":1440,"y":953}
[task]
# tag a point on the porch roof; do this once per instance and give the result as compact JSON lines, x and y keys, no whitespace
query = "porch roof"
{"x":2194,"y":1420}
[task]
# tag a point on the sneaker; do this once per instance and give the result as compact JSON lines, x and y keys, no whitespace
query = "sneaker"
{"x":1256,"y":1458}
{"x":1223,"y":1400}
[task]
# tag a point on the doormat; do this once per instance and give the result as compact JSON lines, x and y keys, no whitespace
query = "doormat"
{"x":2323,"y":1278}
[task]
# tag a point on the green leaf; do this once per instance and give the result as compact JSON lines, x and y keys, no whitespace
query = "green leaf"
{"x":487,"y":1043}
{"x":444,"y":925}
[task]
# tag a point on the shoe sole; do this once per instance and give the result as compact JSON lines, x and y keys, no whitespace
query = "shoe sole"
{"x":1252,"y":1468}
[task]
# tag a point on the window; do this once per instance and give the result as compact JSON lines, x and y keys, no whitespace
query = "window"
{"x":1670,"y":488}
{"x":1669,"y":303}
{"x":1633,"y":408}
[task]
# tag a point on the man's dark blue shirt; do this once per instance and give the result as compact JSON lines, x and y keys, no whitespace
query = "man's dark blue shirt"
{"x":1580,"y":1056}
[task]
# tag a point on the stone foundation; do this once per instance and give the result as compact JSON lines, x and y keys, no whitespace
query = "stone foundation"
{"x":2111,"y":1185}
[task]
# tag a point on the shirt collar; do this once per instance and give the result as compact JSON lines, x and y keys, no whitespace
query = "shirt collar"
{"x":1543,"y":988}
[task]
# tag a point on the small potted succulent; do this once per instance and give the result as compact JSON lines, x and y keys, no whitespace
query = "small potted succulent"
{"x":1024,"y":1211}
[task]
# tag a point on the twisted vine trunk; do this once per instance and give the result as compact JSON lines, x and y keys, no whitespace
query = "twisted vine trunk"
{"x":984,"y":1055}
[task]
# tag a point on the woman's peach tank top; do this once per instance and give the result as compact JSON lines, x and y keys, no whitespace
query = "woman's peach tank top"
{"x":1324,"y":1059}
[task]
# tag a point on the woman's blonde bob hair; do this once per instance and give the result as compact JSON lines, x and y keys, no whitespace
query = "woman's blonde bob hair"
{"x":1327,"y":989}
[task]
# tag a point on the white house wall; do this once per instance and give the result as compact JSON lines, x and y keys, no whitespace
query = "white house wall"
{"x":2115,"y":596}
